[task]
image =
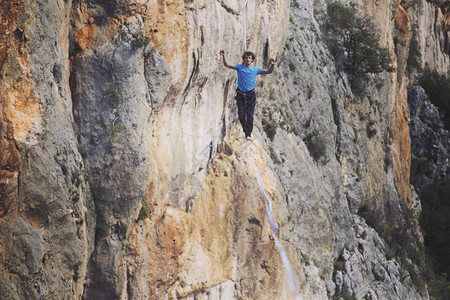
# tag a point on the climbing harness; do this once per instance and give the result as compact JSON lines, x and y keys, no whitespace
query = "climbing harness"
{"x":268,"y":205}
{"x":238,"y":91}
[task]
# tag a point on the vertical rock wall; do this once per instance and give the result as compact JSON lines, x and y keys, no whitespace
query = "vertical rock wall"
{"x":47,"y":213}
{"x":124,"y":173}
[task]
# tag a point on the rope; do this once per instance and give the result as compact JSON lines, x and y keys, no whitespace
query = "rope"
{"x":268,"y":204}
{"x":245,"y":24}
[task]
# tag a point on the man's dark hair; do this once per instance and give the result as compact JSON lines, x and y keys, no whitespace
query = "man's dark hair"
{"x":249,"y":53}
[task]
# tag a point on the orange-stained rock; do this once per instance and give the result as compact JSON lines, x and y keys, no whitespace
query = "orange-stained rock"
{"x":162,"y":243}
{"x":23,"y":110}
{"x":401,"y":146}
{"x":169,"y":33}
{"x":446,"y":17}
{"x":21,"y":119}
{"x":85,"y":36}
{"x":3,"y":51}
{"x":10,"y":158}
{"x":402,"y":19}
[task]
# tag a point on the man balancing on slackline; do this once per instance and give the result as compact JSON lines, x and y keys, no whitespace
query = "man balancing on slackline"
{"x":245,"y":92}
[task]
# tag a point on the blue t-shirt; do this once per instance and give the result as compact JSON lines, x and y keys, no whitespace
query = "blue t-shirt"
{"x":247,"y":77}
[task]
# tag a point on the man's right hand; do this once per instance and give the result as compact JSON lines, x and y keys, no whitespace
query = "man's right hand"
{"x":225,"y":62}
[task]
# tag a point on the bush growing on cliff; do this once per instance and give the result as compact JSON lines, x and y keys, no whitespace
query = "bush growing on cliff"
{"x":114,"y":96}
{"x":435,"y":222}
{"x":437,"y":87}
{"x":145,"y":210}
{"x":139,"y":41}
{"x":317,"y":146}
{"x":414,"y":57}
{"x":355,"y":41}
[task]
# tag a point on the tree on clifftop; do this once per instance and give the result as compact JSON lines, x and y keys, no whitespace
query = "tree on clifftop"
{"x":355,"y":41}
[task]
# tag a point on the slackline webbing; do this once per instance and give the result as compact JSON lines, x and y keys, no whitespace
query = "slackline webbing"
{"x":268,"y":204}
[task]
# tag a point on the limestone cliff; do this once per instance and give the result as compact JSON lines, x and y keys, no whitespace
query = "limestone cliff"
{"x":124,"y":173}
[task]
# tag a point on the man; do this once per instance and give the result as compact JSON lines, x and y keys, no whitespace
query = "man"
{"x":245,"y":93}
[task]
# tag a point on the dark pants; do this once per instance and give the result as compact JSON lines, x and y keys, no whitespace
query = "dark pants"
{"x":246,"y":108}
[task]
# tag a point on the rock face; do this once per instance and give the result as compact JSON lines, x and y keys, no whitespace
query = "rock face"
{"x":124,"y":173}
{"x":367,"y":272}
{"x":430,"y":141}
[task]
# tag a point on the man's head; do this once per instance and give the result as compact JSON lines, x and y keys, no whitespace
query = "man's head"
{"x":248,"y":58}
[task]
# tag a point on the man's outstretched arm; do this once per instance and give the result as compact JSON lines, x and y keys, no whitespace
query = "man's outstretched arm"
{"x":270,"y":68}
{"x":225,"y":62}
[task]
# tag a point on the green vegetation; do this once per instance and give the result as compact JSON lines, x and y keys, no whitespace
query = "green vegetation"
{"x":63,"y":161}
{"x":139,"y":42}
{"x":346,"y":295}
{"x":74,"y":49}
{"x":270,"y":128}
{"x":437,"y":87}
{"x":82,"y":149}
{"x":76,"y":276}
{"x":435,"y":217}
{"x":435,"y":223}
{"x":114,"y":95}
{"x":417,"y":4}
{"x":371,"y":129}
{"x":428,"y":265}
{"x":101,"y":228}
{"x":145,"y":210}
{"x":75,"y":196}
{"x":414,"y":57}
{"x":114,"y":130}
{"x":400,"y":242}
{"x":317,"y":146}
{"x":355,"y":41}
{"x":418,"y":167}
{"x":76,"y":178}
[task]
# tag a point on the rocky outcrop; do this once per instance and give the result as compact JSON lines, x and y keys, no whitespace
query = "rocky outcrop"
{"x":433,"y":17}
{"x":124,"y":173}
{"x":430,"y":141}
{"x":368,"y":271}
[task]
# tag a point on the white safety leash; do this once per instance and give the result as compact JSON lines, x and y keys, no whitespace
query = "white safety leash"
{"x":268,"y":203}
{"x":245,"y":24}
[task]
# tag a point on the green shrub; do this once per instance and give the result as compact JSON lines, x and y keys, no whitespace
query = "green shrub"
{"x":114,"y":96}
{"x":346,"y":295}
{"x":145,"y":210}
{"x":139,"y":42}
{"x":358,"y":36}
{"x":435,"y":222}
{"x":437,"y":87}
{"x":76,"y":276}
{"x":114,"y":130}
{"x":317,"y":146}
{"x":101,"y":228}
{"x":438,"y":286}
{"x":414,"y":57}
{"x":270,"y":128}
{"x":418,"y":165}
{"x":74,"y":49}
